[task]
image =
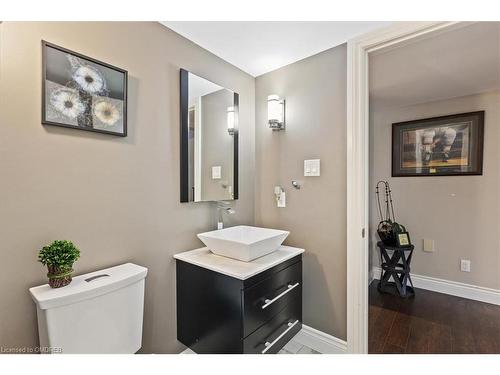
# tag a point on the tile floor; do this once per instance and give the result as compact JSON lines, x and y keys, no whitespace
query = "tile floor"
{"x":293,"y":347}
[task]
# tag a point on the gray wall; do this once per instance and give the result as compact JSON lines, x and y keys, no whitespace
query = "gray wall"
{"x":116,"y":198}
{"x":217,"y":145}
{"x":315,"y":93}
{"x":461,"y":214}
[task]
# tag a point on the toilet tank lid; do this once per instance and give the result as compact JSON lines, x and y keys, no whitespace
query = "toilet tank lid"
{"x":87,"y":286}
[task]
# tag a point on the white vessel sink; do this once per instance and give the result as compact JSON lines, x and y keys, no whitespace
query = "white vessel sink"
{"x":243,"y":242}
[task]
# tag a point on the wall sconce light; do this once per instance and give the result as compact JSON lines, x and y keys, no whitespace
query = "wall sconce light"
{"x":230,"y":120}
{"x":276,"y":112}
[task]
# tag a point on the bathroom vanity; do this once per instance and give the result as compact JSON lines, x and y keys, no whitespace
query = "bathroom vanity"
{"x":230,"y":306}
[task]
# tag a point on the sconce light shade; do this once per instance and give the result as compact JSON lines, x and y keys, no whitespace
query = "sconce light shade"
{"x":276,"y":112}
{"x":230,"y":120}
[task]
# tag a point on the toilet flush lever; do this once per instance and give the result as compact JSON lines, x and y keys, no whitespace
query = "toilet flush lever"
{"x":96,"y":277}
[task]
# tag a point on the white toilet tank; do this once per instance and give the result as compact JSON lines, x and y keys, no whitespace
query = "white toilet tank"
{"x":99,"y":312}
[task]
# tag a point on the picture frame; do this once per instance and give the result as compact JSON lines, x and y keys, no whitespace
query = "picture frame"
{"x":80,"y":92}
{"x":449,"y":145}
{"x":403,"y":239}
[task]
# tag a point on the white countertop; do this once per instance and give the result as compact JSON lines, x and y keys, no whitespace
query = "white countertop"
{"x":235,"y":268}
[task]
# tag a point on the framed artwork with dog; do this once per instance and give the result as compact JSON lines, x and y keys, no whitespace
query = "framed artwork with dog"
{"x":439,"y":146}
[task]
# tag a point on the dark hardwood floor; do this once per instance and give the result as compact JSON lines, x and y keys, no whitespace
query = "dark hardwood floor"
{"x":431,"y":322}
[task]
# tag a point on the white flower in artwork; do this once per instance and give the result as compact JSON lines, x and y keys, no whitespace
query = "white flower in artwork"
{"x":106,"y":112}
{"x":89,"y":79}
{"x":67,"y":102}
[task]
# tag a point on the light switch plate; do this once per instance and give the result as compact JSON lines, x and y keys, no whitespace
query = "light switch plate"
{"x":312,"y":168}
{"x":216,"y":172}
{"x":465,"y":265}
{"x":428,"y":245}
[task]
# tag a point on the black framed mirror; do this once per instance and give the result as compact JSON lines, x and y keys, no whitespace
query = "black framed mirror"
{"x":209,"y":140}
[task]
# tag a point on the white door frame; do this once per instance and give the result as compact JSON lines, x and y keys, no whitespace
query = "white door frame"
{"x":358,"y":165}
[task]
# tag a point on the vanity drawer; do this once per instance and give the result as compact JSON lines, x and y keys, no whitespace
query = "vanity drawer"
{"x":267,"y":298}
{"x":275,"y":333}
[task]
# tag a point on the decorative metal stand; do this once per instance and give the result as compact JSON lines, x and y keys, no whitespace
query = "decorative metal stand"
{"x":396,"y":265}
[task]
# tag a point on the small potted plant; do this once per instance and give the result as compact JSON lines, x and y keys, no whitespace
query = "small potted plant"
{"x":59,"y":257}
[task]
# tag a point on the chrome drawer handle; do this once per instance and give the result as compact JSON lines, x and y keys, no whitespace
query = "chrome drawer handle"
{"x":268,"y":302}
{"x":269,"y":345}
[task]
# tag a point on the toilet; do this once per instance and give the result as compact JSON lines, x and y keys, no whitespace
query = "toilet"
{"x":99,"y":312}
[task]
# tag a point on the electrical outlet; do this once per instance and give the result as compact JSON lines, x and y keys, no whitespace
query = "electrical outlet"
{"x":464,"y":265}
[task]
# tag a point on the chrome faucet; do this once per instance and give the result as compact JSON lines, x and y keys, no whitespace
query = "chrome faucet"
{"x":223,"y":207}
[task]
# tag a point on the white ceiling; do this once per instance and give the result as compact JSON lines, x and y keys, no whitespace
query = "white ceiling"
{"x":455,"y":63}
{"x":199,"y":86}
{"x":260,"y":47}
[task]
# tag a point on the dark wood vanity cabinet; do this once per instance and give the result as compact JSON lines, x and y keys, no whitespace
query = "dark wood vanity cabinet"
{"x":217,"y":313}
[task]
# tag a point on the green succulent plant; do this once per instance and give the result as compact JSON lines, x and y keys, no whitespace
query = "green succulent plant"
{"x":59,"y":254}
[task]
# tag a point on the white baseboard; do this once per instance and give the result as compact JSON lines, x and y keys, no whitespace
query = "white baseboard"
{"x":371,"y":276}
{"x":454,"y":288}
{"x":320,"y":341}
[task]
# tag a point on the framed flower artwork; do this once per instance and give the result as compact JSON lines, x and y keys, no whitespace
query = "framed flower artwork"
{"x":80,"y":92}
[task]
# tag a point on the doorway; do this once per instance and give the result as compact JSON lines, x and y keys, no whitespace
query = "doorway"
{"x":360,"y":233}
